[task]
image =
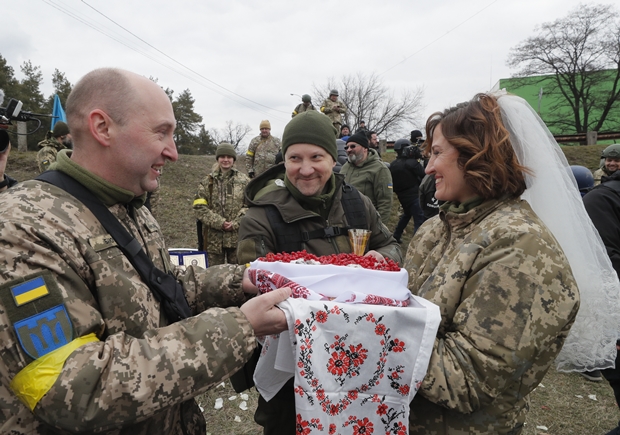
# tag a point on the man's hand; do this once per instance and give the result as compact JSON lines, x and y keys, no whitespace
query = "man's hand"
{"x":227,"y":226}
{"x":263,"y":315}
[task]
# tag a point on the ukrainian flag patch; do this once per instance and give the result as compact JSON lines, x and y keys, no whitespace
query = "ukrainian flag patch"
{"x":29,"y":291}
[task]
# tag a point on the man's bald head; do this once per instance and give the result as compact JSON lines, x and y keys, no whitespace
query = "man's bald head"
{"x":108,"y":89}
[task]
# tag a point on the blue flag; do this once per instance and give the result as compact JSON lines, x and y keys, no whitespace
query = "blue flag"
{"x":57,"y":112}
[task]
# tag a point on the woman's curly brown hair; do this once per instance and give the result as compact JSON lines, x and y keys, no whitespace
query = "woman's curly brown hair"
{"x":476,"y":130}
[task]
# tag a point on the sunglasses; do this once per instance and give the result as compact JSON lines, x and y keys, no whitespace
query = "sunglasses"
{"x":346,"y":147}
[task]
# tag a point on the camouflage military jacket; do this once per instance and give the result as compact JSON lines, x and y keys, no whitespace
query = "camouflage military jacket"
{"x":301,"y":109}
{"x":257,"y":237}
{"x":598,"y":174}
{"x":83,"y":345}
{"x":507,"y":298}
{"x":261,"y":154}
{"x":334,"y":110}
{"x":48,"y":150}
{"x":374,"y":180}
{"x":220,"y":199}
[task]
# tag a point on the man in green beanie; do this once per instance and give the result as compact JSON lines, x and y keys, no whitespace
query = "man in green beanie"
{"x":301,"y":204}
{"x":56,"y":140}
{"x":218,"y":206}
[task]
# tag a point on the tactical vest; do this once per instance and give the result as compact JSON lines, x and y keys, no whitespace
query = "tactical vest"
{"x":289,"y":237}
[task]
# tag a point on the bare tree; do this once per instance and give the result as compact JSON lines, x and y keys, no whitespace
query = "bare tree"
{"x":232,"y":133}
{"x":369,"y":100}
{"x":581,"y":54}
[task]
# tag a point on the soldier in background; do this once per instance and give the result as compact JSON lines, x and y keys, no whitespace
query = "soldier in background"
{"x":85,"y":346}
{"x":334,"y":109}
{"x":306,"y":104}
{"x":262,"y":151}
{"x":367,"y":173}
{"x":56,"y":140}
{"x":610,"y":163}
{"x":218,"y":205}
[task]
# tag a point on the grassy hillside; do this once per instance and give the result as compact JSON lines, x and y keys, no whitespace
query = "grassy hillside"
{"x":562,"y":404}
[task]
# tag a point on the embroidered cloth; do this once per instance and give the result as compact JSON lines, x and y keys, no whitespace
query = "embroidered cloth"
{"x":357,"y":366}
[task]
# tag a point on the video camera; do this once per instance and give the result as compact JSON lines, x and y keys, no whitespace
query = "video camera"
{"x":13,"y":112}
{"x":412,"y":152}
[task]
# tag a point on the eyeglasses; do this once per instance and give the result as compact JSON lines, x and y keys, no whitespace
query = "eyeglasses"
{"x":346,"y":147}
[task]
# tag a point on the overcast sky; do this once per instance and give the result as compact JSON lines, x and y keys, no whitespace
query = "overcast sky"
{"x":241,"y":60}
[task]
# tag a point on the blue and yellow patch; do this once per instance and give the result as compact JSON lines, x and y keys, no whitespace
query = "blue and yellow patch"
{"x":44,"y":332}
{"x":29,"y":291}
{"x":389,"y":186}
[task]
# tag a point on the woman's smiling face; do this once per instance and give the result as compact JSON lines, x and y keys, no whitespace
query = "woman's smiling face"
{"x":450,"y":181}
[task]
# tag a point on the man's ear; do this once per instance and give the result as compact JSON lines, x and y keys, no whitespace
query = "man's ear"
{"x":100,"y":126}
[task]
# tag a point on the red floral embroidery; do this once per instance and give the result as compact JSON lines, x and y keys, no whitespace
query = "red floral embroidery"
{"x":363,"y":427}
{"x":338,"y":364}
{"x":321,"y":316}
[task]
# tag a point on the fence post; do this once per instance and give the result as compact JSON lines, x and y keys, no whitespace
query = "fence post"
{"x":22,"y":141}
{"x":591,"y":137}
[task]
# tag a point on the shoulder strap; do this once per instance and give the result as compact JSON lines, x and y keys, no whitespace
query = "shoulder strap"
{"x":164,"y":286}
{"x":353,"y":206}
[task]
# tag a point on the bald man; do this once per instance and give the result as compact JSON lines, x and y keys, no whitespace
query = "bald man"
{"x":85,"y":346}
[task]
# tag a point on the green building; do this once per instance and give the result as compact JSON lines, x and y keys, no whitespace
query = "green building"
{"x":543,"y":94}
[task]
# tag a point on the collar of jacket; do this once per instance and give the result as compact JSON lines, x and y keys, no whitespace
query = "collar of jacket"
{"x":105,"y":191}
{"x":457,"y":219}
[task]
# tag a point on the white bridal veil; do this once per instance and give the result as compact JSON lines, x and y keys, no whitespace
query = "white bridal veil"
{"x":553,"y":194}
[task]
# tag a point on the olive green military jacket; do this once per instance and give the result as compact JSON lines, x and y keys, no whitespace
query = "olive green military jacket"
{"x":220,"y":199}
{"x":256,"y":237}
{"x":374,"y":180}
{"x":48,"y":150}
{"x":507,"y":298}
{"x":84,"y":346}
{"x":261,"y":154}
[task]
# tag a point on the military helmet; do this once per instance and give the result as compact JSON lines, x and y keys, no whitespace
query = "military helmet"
{"x":333,"y":92}
{"x":611,"y":151}
{"x":306,"y":98}
{"x":401,"y":143}
{"x":585,"y":180}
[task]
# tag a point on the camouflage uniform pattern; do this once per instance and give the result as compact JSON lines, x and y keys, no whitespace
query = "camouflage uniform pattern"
{"x":598,"y":174}
{"x":135,"y":375}
{"x":335,"y":110}
{"x":507,"y":298}
{"x":220,"y":199}
{"x":261,"y":154}
{"x":48,"y":150}
{"x":301,"y":109}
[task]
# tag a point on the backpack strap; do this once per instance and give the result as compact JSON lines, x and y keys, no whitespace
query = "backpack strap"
{"x":166,"y":289}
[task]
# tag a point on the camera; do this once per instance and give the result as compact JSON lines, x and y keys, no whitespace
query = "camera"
{"x":13,"y":112}
{"x":412,"y":152}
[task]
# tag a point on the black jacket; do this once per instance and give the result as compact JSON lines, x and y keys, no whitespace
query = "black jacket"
{"x":603,"y":206}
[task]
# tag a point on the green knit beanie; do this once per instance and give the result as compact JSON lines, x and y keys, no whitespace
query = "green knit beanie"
{"x":60,"y":129}
{"x":311,"y":127}
{"x":225,"y":149}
